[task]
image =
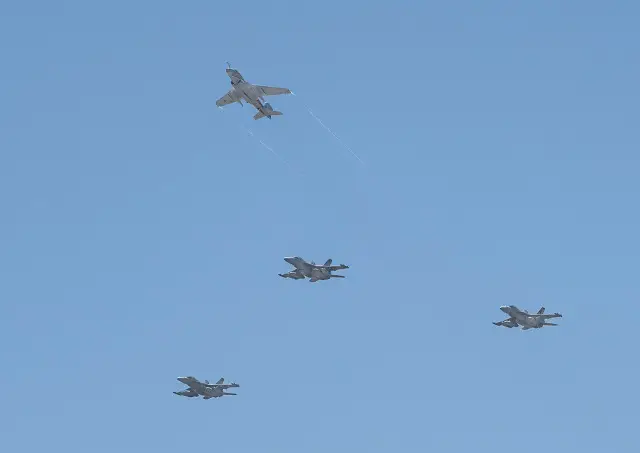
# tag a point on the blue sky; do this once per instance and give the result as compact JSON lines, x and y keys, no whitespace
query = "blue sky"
{"x":143,"y":229}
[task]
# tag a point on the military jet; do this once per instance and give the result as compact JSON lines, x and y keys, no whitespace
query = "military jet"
{"x":197,"y":388}
{"x":524,"y":319}
{"x":311,"y":270}
{"x":241,"y":90}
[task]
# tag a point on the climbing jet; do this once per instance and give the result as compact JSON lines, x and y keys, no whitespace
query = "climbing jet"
{"x":204,"y":389}
{"x":311,"y":270}
{"x":524,"y":319}
{"x":241,"y":90}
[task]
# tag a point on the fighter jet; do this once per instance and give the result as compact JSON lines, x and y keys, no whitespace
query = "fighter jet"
{"x":204,"y":389}
{"x":311,"y":270}
{"x":524,"y":319}
{"x":241,"y":90}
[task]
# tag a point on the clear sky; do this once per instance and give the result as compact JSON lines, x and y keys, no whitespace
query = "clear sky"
{"x":143,"y":229}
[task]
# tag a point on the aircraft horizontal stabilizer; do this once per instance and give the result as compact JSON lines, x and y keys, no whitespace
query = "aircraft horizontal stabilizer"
{"x":259,"y":115}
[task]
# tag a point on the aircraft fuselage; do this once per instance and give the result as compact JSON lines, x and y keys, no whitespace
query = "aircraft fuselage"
{"x":202,"y":388}
{"x":211,"y":392}
{"x":250,"y":94}
{"x":528,"y":321}
{"x":309,"y":270}
{"x":319,"y":274}
{"x":524,"y":319}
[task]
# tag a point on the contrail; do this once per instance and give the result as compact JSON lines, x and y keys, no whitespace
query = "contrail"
{"x":270,"y":149}
{"x":331,"y":132}
{"x":278,"y":156}
{"x":336,"y":137}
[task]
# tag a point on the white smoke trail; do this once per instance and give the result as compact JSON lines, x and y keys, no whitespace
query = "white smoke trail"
{"x":330,"y":131}
{"x":278,"y":156}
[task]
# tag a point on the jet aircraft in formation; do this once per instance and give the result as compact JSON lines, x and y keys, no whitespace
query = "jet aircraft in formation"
{"x":241,"y":90}
{"x":312,"y":271}
{"x":524,"y":319}
{"x":204,"y":389}
{"x":517,"y":317}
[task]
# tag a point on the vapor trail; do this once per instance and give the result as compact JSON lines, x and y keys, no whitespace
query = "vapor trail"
{"x":278,"y":156}
{"x":331,"y":132}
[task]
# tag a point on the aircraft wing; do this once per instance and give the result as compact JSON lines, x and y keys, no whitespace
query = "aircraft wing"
{"x":272,"y":91}
{"x":509,"y":322}
{"x":293,"y":274}
{"x":337,"y":268}
{"x":188,"y":392}
{"x":227,"y":99}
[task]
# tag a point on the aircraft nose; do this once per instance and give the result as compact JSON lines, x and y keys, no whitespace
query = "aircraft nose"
{"x":505,"y":308}
{"x":289,"y":259}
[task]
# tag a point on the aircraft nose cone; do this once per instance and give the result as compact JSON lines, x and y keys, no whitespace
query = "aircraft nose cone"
{"x":504,"y":308}
{"x":289,"y":259}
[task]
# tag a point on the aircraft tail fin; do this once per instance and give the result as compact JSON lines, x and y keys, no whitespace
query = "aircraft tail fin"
{"x":220,"y":381}
{"x":541,"y":311}
{"x":328,"y":262}
{"x":259,"y":115}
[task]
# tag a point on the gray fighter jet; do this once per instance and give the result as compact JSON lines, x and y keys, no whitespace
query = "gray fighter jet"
{"x":311,"y":270}
{"x":524,"y":319}
{"x":241,"y":90}
{"x":204,"y":389}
